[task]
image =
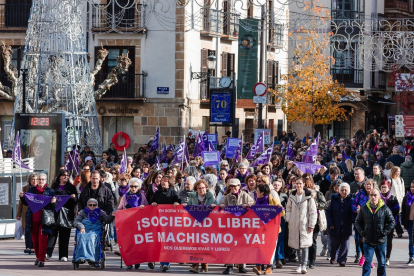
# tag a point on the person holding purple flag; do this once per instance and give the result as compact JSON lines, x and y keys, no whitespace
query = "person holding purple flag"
{"x":135,"y":197}
{"x":64,"y":216}
{"x":39,"y":195}
{"x":201,"y":196}
{"x":264,"y":198}
{"x":235,"y":197}
{"x":22,"y":210}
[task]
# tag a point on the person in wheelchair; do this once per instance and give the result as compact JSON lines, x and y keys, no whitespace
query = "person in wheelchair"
{"x":90,"y":222}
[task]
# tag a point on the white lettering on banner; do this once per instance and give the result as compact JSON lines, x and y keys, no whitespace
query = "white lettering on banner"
{"x":177,"y":222}
{"x":235,"y":223}
{"x":192,"y":238}
{"x":32,"y":199}
{"x":256,"y":239}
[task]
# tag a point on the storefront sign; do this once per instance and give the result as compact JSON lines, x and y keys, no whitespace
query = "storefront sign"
{"x":117,"y":110}
{"x":220,"y":108}
{"x":168,"y":234}
{"x":247,"y":58}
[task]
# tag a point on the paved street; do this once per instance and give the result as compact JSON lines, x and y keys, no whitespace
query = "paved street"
{"x":14,"y":262}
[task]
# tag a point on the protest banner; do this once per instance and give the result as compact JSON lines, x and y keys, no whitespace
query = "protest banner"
{"x":210,"y":158}
{"x":307,"y":167}
{"x":168,"y":234}
{"x":232,"y":144}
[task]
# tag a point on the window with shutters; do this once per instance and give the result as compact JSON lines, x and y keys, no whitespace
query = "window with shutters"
{"x":276,"y":35}
{"x":272,"y":73}
{"x":227,"y":64}
{"x":204,"y":93}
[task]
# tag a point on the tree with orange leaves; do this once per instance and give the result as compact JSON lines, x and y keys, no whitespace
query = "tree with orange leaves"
{"x":310,"y":95}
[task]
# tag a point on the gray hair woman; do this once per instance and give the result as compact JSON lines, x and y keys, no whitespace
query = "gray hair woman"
{"x":191,"y":171}
{"x":339,"y":217}
{"x":211,"y":180}
{"x":187,"y":188}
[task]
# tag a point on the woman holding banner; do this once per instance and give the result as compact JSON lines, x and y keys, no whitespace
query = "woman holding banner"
{"x":64,"y":216}
{"x":235,"y":197}
{"x":135,"y":197}
{"x":201,"y":196}
{"x":264,"y":198}
{"x":165,"y":194}
{"x":301,"y":214}
{"x":22,"y":210}
{"x":38,"y":198}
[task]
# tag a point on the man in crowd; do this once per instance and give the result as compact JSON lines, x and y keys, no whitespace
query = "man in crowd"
{"x":407,"y":172}
{"x":359,"y":180}
{"x":395,"y":158}
{"x":374,"y":222}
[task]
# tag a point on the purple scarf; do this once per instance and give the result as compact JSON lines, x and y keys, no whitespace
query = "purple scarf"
{"x":386,"y":198}
{"x":263,"y":201}
{"x":154,"y":187}
{"x":145,"y":175}
{"x":123,"y":190}
{"x":242,"y":176}
{"x":410,"y":199}
{"x":134,"y":200}
{"x":236,"y":194}
{"x":92,"y":215}
{"x":62,"y":187}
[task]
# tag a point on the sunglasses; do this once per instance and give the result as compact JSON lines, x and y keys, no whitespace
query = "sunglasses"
{"x":65,"y":175}
{"x":123,"y":179}
{"x":86,"y":169}
{"x":133,"y":186}
{"x":93,"y":205}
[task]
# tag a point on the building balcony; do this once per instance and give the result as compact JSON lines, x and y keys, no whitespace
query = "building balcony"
{"x":14,"y":17}
{"x":129,"y":87}
{"x":217,"y":23}
{"x":113,"y":19}
{"x":351,"y":78}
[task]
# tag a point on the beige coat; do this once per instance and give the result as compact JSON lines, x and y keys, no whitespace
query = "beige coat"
{"x":243,"y":198}
{"x":301,"y":216}
{"x":21,"y":208}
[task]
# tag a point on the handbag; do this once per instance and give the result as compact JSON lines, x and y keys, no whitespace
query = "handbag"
{"x":48,"y":218}
{"x":65,"y":218}
{"x":323,"y":223}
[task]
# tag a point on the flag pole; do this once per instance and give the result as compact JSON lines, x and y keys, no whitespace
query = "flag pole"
{"x":182,"y":159}
{"x":20,"y":165}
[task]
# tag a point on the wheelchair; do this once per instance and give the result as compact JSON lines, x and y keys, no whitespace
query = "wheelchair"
{"x":102,"y":256}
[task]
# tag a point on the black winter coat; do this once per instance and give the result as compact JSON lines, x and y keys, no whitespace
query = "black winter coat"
{"x":340,"y":216}
{"x":405,"y":212}
{"x":51,"y":206}
{"x":375,"y":227}
{"x":165,"y":197}
{"x":105,"y":198}
{"x":69,"y":189}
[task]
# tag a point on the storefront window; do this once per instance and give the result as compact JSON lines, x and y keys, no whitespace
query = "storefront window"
{"x":113,"y":125}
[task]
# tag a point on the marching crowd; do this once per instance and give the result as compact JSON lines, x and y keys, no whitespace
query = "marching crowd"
{"x":364,"y":188}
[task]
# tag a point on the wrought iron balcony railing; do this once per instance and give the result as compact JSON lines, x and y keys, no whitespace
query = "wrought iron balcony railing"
{"x":14,"y":16}
{"x":129,"y":86}
{"x":349,"y":77}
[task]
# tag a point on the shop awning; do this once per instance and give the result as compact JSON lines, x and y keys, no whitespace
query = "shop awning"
{"x":379,"y":100}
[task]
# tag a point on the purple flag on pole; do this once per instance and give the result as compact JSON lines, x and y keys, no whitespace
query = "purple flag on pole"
{"x":60,"y":201}
{"x":235,"y":210}
{"x":157,"y":166}
{"x":72,"y":162}
{"x":16,"y":154}
{"x":264,"y":158}
{"x":266,"y":213}
{"x":289,"y":153}
{"x":199,"y":146}
{"x":199,"y":212}
{"x":312,"y":152}
{"x":238,"y":152}
{"x":205,"y":138}
{"x":124,"y":163}
{"x":163,"y":152}
{"x":156,"y":142}
{"x":170,"y":147}
{"x":179,"y":154}
{"x":257,"y":147}
{"x":37,"y":202}
{"x":211,"y":146}
{"x":307,"y":167}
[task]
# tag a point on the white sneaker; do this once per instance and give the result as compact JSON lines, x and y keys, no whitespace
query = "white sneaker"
{"x":299,"y":269}
{"x":64,"y":259}
{"x":304,"y":270}
{"x":387,"y":262}
{"x":47,"y":257}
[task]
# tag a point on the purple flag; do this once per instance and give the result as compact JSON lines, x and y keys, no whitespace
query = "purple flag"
{"x":199,"y":146}
{"x":238,"y":151}
{"x":124,"y":163}
{"x":157,"y":166}
{"x":171,"y":147}
{"x":199,"y":212}
{"x":37,"y":202}
{"x":163,"y":152}
{"x":179,"y":154}
{"x":133,"y":200}
{"x":72,"y":162}
{"x":257,"y":147}
{"x":312,"y":152}
{"x":156,"y":142}
{"x":205,"y":138}
{"x":289,"y":153}
{"x":210,"y":146}
{"x":236,"y":210}
{"x":223,"y":151}
{"x":266,"y":213}
{"x":60,"y":201}
{"x":264,"y":158}
{"x":307,"y":167}
{"x":332,"y":142}
{"x":16,"y":154}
